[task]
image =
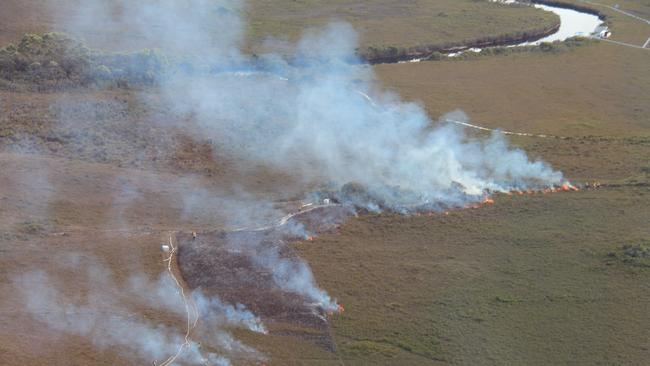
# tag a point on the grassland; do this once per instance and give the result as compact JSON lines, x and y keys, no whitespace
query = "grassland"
{"x":384,"y":23}
{"x":526,"y":281}
{"x":532,"y":280}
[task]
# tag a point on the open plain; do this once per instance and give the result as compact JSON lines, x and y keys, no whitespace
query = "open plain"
{"x":94,"y":179}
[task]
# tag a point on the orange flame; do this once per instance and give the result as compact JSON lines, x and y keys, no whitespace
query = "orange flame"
{"x":310,"y":238}
{"x":569,"y":187}
{"x":565,"y":187}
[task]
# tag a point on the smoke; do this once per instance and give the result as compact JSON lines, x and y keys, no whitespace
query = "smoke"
{"x":317,"y":113}
{"x":215,"y":313}
{"x":294,"y":275}
{"x":103,"y":313}
{"x":322,"y":123}
{"x":235,"y":208}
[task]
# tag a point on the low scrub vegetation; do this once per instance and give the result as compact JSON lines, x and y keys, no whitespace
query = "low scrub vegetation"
{"x":54,"y":60}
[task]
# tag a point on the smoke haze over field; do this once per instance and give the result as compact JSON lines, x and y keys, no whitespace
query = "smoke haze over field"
{"x":316,"y":113}
{"x":310,"y":113}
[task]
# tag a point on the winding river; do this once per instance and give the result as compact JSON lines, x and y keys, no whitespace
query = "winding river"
{"x":572,"y":23}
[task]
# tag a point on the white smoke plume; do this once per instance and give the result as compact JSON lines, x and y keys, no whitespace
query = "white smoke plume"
{"x":321,"y":127}
{"x":215,"y":312}
{"x":294,"y":275}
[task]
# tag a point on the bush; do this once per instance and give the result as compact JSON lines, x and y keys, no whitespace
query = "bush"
{"x":102,"y":72}
{"x":55,"y":59}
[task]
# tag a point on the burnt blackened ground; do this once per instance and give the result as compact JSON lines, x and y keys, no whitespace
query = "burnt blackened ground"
{"x":227,"y":264}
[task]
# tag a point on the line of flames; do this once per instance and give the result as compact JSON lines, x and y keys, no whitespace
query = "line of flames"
{"x":488,"y":200}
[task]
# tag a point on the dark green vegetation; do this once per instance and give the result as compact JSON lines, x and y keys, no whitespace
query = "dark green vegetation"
{"x":54,"y":60}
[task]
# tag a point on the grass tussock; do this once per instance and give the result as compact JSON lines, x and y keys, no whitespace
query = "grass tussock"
{"x":32,"y":227}
{"x":370,"y":348}
{"x":637,"y":255}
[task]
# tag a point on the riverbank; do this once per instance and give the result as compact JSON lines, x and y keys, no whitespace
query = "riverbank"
{"x":569,"y":15}
{"x":571,"y":6}
{"x":395,"y":55}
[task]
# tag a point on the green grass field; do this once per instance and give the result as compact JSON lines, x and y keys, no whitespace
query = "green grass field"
{"x":385,"y":23}
{"x":526,"y":281}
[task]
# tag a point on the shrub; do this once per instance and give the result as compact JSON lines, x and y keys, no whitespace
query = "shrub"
{"x":56,"y":59}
